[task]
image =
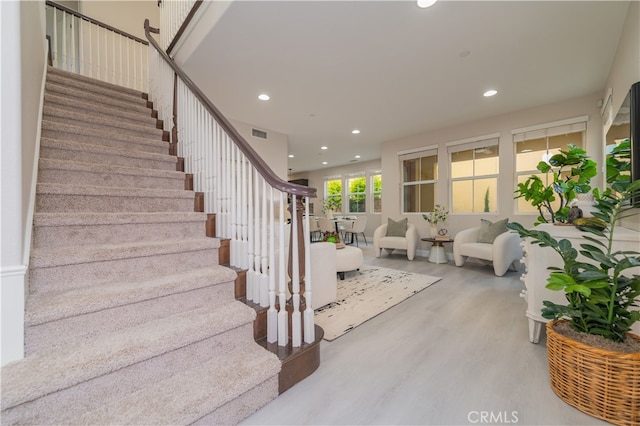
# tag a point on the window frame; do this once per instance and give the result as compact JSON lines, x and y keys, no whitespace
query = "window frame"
{"x":328,"y":179}
{"x":373,"y":192}
{"x":347,"y":190}
{"x":420,"y":153}
{"x":473,"y":144}
{"x":546,"y":131}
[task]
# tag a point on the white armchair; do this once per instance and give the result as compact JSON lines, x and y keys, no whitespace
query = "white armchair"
{"x":409,"y":242}
{"x":504,"y":253}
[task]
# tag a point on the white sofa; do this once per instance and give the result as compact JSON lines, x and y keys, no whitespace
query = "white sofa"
{"x":504,"y":253}
{"x":409,"y":242}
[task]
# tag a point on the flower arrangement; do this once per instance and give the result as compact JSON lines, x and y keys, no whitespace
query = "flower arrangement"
{"x":439,"y":214}
{"x":331,"y":204}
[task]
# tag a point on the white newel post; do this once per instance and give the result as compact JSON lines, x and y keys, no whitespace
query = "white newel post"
{"x":296,"y":328}
{"x":309,"y":328}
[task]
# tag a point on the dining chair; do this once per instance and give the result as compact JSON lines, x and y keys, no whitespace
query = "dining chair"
{"x":357,"y":227}
{"x":314,"y":230}
{"x":326,"y":225}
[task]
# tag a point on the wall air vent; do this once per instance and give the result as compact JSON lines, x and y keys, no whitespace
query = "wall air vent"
{"x":259,"y":133}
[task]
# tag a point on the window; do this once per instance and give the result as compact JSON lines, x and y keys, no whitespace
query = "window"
{"x":419,"y":181}
{"x":474,"y":176}
{"x":333,"y":194}
{"x":357,"y":194}
{"x":376,"y":185}
{"x":540,"y":143}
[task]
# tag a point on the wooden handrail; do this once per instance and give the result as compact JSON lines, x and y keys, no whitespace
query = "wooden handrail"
{"x":262,"y":167}
{"x":96,"y":22}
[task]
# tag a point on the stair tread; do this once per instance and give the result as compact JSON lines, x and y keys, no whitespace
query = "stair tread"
{"x":52,"y":306}
{"x":122,"y":136}
{"x":112,"y":191}
{"x":73,"y":93}
{"x":237,"y":371}
{"x":97,"y":88}
{"x":59,"y":101}
{"x":72,"y":77}
{"x":92,"y":218}
{"x":69,"y":165}
{"x":58,"y":256}
{"x":60,"y":368}
{"x":60,"y":112}
{"x":87,"y":147}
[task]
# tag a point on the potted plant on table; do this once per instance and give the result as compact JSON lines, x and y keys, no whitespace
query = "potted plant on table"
{"x":330,"y":205}
{"x":572,"y":171}
{"x":594,"y":361}
{"x":438,"y":215}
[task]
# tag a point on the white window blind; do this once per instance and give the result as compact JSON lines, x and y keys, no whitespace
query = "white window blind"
{"x":573,"y":125}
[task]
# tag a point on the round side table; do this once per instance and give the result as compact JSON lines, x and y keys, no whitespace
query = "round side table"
{"x":437,"y":253}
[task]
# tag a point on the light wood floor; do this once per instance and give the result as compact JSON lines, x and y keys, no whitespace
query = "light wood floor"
{"x":455,"y":352}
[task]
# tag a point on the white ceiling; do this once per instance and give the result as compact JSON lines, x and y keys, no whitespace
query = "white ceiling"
{"x":391,"y":69}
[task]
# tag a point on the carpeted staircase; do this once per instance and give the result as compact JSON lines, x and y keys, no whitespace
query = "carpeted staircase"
{"x":129,"y":317}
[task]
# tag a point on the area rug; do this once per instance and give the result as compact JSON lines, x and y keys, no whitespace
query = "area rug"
{"x":365,"y":294}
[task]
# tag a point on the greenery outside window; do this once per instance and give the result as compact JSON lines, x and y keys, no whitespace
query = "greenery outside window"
{"x":376,"y":185}
{"x":333,"y":193}
{"x":539,"y":144}
{"x":419,"y":181}
{"x":357,"y":194}
{"x":474,"y":169}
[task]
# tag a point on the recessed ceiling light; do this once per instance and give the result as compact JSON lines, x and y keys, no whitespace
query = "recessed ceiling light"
{"x":357,"y":156}
{"x":324,"y":147}
{"x":527,"y":150}
{"x":263,"y":97}
{"x":490,"y":93}
{"x":355,"y":131}
{"x":324,"y":162}
{"x":291,"y":155}
{"x":423,"y":4}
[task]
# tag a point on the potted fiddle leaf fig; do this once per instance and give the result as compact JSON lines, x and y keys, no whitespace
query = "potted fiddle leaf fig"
{"x":571,"y":173}
{"x":589,"y":340}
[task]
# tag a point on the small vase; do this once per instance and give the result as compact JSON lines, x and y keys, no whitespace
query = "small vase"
{"x":433,"y":230}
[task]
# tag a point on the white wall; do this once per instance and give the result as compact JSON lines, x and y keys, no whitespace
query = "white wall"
{"x":503,"y":124}
{"x":273,"y":150}
{"x":316,"y":180}
{"x":22,"y":66}
{"x":127,"y":16}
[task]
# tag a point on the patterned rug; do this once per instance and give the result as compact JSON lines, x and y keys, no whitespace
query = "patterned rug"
{"x":363,"y":295}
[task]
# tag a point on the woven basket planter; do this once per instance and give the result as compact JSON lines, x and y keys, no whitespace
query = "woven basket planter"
{"x":598,"y":382}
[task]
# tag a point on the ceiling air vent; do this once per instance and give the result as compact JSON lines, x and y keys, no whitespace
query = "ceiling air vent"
{"x":259,"y":133}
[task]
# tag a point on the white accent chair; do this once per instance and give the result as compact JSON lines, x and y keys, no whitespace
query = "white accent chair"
{"x":409,"y":242}
{"x":504,"y":253}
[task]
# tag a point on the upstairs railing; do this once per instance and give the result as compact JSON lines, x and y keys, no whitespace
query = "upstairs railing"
{"x":246,"y":196}
{"x":85,"y":46}
{"x":175,"y":16}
